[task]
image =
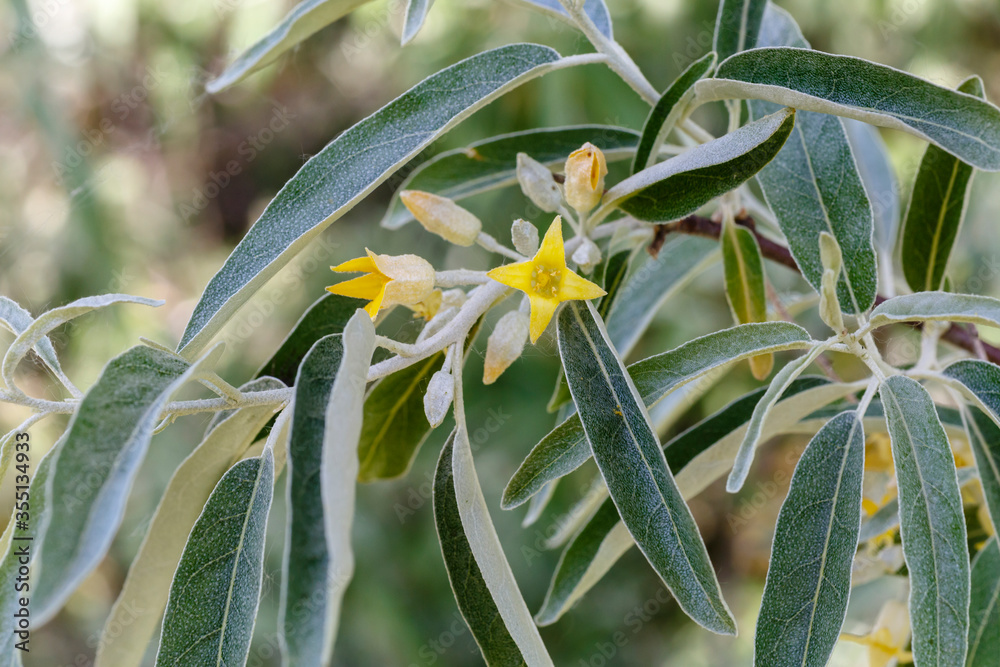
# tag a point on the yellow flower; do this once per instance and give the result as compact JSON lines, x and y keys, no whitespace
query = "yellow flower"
{"x":888,"y":638}
{"x":546,"y":280}
{"x":585,"y":172}
{"x":390,"y":280}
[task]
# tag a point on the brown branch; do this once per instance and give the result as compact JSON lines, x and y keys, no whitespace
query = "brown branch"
{"x":957,"y":335}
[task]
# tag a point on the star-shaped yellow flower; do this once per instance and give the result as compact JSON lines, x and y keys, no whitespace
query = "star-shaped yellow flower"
{"x":390,"y":280}
{"x":546,"y":280}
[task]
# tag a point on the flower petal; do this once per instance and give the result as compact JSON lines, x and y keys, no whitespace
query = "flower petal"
{"x":552,"y":253}
{"x":542,"y":310}
{"x":376,"y":304}
{"x":363,"y":287}
{"x":516,"y":275}
{"x":574,"y":288}
{"x":358,"y":264}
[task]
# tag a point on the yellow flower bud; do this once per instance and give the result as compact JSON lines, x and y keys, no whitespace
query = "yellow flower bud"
{"x":438,"y":398}
{"x":585,"y":172}
{"x":389,"y":280}
{"x":441,"y":216}
{"x":505,"y":344}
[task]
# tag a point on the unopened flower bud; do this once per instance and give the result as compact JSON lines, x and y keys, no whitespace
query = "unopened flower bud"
{"x":588,"y":255}
{"x":537,"y":183}
{"x":505,"y":344}
{"x":441,"y":216}
{"x":525,"y":237}
{"x":585,"y":172}
{"x":437,"y":400}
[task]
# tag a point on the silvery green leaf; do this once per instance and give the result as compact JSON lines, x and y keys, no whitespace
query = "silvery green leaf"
{"x":327,"y":315}
{"x":565,"y":448}
{"x":93,"y":472}
{"x":814,"y":186}
{"x":473,"y":596}
{"x":147,"y":585}
{"x":629,"y":457}
{"x":651,"y":283}
{"x":16,"y":319}
{"x":984,"y":610}
{"x":984,"y":439}
{"x":37,"y":331}
{"x":978,"y":380}
{"x":809,"y":575}
{"x":962,"y":124}
{"x":492,"y":163}
{"x":744,"y":275}
{"x":936,"y":306}
{"x":304,"y":20}
{"x":369,"y":152}
{"x":538,"y":503}
{"x":936,"y":210}
{"x":612,"y":278}
{"x":879,"y":177}
{"x":216,"y":590}
{"x":596,"y":10}
{"x":314,"y":576}
{"x":778,"y":28}
{"x":682,"y":184}
{"x":932,"y":524}
{"x":697,"y":457}
{"x":416,"y":14}
{"x":668,"y":110}
{"x":737,"y":25}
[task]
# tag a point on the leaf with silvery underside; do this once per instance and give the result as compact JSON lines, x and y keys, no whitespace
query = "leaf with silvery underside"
{"x":816,"y":537}
{"x":16,"y":319}
{"x":565,"y":448}
{"x":984,"y":439}
{"x":962,"y":124}
{"x":37,"y":331}
{"x":355,"y":163}
{"x":984,"y":609}
{"x":327,"y":315}
{"x":737,"y":25}
{"x":492,"y":163}
{"x":667,"y":111}
{"x":932,"y":524}
{"x":651,"y":283}
{"x":978,"y":380}
{"x":937,"y":207}
{"x":629,"y":457}
{"x":595,"y":9}
{"x":216,"y":590}
{"x":600,"y":543}
{"x":304,"y":20}
{"x":147,"y":585}
{"x":93,"y":472}
{"x":936,"y":306}
{"x":879,"y":177}
{"x":474,"y":600}
{"x":814,"y":186}
{"x":416,"y":14}
{"x":682,"y":184}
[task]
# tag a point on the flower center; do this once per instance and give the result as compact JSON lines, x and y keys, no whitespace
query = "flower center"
{"x":545,"y":281}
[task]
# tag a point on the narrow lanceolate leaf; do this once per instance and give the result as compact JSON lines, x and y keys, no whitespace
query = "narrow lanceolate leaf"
{"x":369,"y":152}
{"x":879,"y":177}
{"x":565,"y":448}
{"x":328,"y":315}
{"x":962,"y":124}
{"x":416,"y":14}
{"x":37,"y":331}
{"x":92,"y":474}
{"x":216,"y":590}
{"x":984,"y":438}
{"x":595,"y":9}
{"x":633,"y":466}
{"x":16,"y":319}
{"x":805,"y":597}
{"x":744,"y":273}
{"x":936,"y":210}
{"x":813,"y":186}
{"x":668,"y":110}
{"x":471,"y":593}
{"x":304,"y":20}
{"x":984,"y":610}
{"x":937,"y":306}
{"x":148,"y":583}
{"x":681,"y":185}
{"x":613,"y":273}
{"x":650,"y":284}
{"x":492,"y":163}
{"x":737,"y":25}
{"x":932,"y":524}
{"x":339,"y":465}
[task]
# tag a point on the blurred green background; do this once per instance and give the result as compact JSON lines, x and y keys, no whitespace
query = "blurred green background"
{"x":118,"y":174}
